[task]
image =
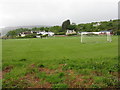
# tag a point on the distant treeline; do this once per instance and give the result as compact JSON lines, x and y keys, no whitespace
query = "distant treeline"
{"x":89,"y":27}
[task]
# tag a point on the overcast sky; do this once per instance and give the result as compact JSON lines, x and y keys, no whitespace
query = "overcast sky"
{"x":54,"y":12}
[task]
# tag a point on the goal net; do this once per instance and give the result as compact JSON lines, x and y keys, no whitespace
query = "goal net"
{"x":96,"y":37}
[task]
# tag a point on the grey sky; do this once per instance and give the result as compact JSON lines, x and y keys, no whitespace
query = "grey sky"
{"x":54,"y":12}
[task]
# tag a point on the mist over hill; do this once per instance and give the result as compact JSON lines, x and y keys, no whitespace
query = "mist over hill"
{"x":4,"y":30}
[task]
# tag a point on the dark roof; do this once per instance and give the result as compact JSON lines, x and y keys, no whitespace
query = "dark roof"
{"x":27,"y":32}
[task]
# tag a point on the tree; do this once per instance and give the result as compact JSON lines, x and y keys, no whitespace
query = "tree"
{"x":11,"y":34}
{"x":42,"y":28}
{"x":34,"y":28}
{"x":71,"y":27}
{"x":65,"y":25}
{"x":55,"y":29}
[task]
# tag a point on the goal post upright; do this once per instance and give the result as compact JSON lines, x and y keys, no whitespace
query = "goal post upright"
{"x":109,"y":39}
{"x":81,"y":37}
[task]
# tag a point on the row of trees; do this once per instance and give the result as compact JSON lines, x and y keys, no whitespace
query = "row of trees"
{"x":89,"y":27}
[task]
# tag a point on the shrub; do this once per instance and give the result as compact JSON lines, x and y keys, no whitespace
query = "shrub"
{"x":91,"y":34}
{"x":44,"y":35}
{"x":30,"y":36}
{"x":60,"y":33}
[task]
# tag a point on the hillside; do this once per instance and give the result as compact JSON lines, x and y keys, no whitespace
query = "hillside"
{"x":89,"y":27}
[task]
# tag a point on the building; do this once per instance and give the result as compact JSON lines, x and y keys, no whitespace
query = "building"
{"x":70,"y":32}
{"x":105,"y":32}
{"x":38,"y":33}
{"x":23,"y":34}
{"x":97,"y":24}
{"x":51,"y":33}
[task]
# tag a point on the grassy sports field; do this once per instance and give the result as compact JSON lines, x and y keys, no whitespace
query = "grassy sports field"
{"x":59,"y":62}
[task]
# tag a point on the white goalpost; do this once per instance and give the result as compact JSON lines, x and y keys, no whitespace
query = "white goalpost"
{"x":95,"y":36}
{"x":109,"y":38}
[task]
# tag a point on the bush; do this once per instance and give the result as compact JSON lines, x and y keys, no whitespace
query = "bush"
{"x":44,"y":35}
{"x":30,"y":36}
{"x":60,"y":33}
{"x":91,"y":34}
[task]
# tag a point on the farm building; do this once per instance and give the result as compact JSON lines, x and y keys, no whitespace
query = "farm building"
{"x":70,"y":32}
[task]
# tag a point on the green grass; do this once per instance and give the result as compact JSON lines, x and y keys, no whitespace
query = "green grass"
{"x":50,"y":53}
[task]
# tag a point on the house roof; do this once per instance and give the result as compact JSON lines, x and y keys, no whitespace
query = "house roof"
{"x":27,"y":32}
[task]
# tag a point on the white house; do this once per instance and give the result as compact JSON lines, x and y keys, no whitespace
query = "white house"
{"x":97,"y":24}
{"x":44,"y":33}
{"x":51,"y":33}
{"x":23,"y":34}
{"x":70,"y":32}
